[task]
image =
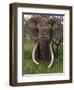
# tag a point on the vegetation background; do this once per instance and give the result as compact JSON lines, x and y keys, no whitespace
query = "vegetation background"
{"x":30,"y":67}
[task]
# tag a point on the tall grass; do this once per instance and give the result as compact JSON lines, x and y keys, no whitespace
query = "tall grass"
{"x":31,"y":68}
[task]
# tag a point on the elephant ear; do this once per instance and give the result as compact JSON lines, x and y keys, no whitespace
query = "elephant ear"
{"x":30,"y":27}
{"x":57,"y":30}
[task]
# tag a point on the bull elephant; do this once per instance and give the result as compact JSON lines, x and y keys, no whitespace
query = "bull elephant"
{"x":44,"y":31}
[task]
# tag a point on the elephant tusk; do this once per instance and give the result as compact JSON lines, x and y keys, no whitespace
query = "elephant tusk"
{"x":52,"y":56}
{"x":33,"y":54}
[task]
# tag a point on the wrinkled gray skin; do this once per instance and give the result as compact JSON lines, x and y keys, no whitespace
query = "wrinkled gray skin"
{"x":44,"y":30}
{"x":44,"y":38}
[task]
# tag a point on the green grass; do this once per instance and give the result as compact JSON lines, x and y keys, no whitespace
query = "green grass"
{"x":31,"y":68}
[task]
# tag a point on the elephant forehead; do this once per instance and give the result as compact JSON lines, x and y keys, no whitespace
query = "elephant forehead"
{"x":43,"y":28}
{"x":42,"y":20}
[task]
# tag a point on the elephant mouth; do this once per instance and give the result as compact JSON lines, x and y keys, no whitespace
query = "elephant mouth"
{"x":51,"y":52}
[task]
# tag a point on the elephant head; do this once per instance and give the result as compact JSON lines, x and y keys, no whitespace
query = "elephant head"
{"x":44,"y":30}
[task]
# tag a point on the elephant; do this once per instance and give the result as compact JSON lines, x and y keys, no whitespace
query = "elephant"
{"x":44,"y":31}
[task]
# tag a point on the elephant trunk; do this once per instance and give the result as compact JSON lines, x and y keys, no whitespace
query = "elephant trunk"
{"x":44,"y":49}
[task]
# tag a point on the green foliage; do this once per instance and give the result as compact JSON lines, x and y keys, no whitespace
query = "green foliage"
{"x":31,"y":68}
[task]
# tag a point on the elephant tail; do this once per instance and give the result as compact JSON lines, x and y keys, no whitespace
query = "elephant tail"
{"x":52,"y":55}
{"x":33,"y":53}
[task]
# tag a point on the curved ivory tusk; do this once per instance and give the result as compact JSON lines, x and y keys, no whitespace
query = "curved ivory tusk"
{"x":33,"y":53}
{"x":52,"y":56}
